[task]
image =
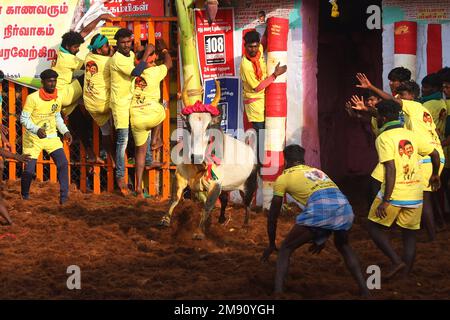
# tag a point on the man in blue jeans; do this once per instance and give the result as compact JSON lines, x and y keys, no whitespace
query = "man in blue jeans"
{"x":41,"y":117}
{"x":122,"y":71}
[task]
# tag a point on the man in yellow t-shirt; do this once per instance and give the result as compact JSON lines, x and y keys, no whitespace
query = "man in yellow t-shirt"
{"x":97,"y":88}
{"x":325,"y":210}
{"x":146,"y":113}
{"x":445,"y":77}
{"x":432,"y":101}
{"x":41,"y":117}
{"x":401,"y":196}
{"x":122,"y":70}
{"x":71,"y":90}
{"x":254,"y":78}
{"x":418,"y":120}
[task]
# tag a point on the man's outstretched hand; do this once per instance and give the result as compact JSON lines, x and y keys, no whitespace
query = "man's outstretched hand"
{"x":364,"y":82}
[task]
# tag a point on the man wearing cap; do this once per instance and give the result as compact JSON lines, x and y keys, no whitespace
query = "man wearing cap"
{"x":97,"y":87}
{"x":41,"y":117}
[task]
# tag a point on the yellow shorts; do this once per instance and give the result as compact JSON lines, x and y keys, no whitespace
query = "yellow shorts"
{"x":33,"y":146}
{"x":427,"y":170}
{"x":255,"y":111}
{"x":408,"y":218}
{"x":100,"y":115}
{"x":70,"y":95}
{"x":145,"y":118}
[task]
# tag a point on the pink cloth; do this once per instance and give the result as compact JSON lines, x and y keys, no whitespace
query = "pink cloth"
{"x":200,"y":107}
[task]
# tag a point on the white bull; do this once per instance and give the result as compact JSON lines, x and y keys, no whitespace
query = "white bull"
{"x":237,"y":169}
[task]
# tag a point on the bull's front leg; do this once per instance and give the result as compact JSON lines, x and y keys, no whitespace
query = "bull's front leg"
{"x":178,"y":186}
{"x":213,"y":195}
{"x":223,"y":206}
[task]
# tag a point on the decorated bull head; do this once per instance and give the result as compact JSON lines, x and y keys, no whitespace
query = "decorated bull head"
{"x":200,"y":117}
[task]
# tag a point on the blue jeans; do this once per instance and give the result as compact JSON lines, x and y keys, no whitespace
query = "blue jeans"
{"x":149,"y":155}
{"x":121,"y":146}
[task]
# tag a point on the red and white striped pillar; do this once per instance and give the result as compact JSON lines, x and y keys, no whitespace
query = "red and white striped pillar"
{"x":405,"y":45}
{"x":276,"y":106}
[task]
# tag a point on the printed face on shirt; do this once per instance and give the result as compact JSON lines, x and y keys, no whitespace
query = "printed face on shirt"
{"x":409,"y":149}
{"x":405,"y":148}
{"x":92,"y":67}
{"x":427,"y":118}
{"x":140,"y":83}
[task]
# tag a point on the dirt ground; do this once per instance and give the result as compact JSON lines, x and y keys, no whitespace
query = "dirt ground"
{"x":124,"y":255}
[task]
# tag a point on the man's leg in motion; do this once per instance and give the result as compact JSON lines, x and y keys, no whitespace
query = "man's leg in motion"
{"x":121,"y":145}
{"x":60,"y":160}
{"x":298,"y":236}
{"x":351,"y":261}
{"x":27,"y":177}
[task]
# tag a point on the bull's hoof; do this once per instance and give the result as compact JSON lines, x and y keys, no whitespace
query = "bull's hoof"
{"x":222,"y":219}
{"x":198,"y":236}
{"x":165,"y":222}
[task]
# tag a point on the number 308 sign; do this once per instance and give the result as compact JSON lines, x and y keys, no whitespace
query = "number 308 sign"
{"x":215,"y":49}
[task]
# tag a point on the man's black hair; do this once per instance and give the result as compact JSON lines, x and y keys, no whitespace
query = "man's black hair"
{"x":433,"y":79}
{"x":48,"y":74}
{"x":444,"y":74}
{"x":2,"y":75}
{"x":389,"y":109}
{"x":122,"y":33}
{"x":294,"y":153}
{"x":371,"y":93}
{"x":252,"y":37}
{"x":399,"y":74}
{"x":261,"y":13}
{"x":71,"y":38}
{"x":411,"y":87}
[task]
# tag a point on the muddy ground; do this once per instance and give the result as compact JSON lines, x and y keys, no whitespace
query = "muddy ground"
{"x":124,"y":255}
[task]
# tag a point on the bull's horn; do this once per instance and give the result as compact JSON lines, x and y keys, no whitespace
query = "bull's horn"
{"x":216,"y":99}
{"x":185,"y":95}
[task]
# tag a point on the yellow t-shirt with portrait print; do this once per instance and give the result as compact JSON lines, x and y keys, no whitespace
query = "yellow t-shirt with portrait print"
{"x":255,"y":109}
{"x":97,"y":85}
{"x":146,"y":112}
{"x":43,"y":115}
{"x":121,"y":88}
{"x":301,"y":182}
{"x":419,"y":120}
{"x":438,"y":111}
{"x":405,"y":148}
{"x":66,"y":64}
